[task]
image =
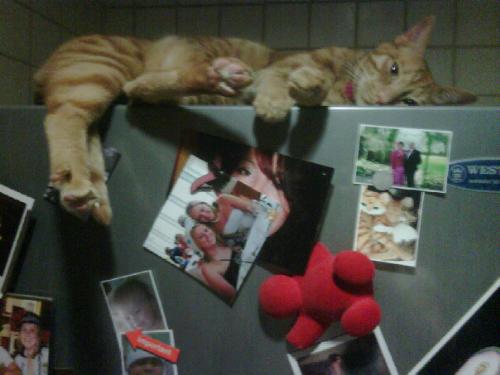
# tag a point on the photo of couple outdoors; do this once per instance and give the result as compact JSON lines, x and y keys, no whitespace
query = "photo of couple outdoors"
{"x":416,"y":158}
{"x":226,"y":202}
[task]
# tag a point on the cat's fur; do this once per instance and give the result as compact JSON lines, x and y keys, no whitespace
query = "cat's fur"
{"x":84,"y":75}
{"x":393,"y":73}
{"x":384,"y":231}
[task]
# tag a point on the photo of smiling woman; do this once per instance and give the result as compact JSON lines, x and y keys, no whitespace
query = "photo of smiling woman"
{"x":299,"y":187}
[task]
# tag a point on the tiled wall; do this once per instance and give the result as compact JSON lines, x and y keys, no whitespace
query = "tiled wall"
{"x":464,"y":49}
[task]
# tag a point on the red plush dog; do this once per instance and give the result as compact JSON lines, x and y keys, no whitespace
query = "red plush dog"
{"x":334,"y":287}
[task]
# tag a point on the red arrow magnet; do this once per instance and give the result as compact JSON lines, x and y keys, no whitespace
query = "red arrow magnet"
{"x":158,"y":348}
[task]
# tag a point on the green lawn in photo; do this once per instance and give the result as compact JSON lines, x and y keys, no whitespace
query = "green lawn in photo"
{"x":434,"y":169}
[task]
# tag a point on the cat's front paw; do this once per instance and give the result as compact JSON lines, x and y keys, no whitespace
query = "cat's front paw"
{"x":140,"y":89}
{"x":308,"y":86}
{"x":272,"y":109}
{"x":227,"y":75}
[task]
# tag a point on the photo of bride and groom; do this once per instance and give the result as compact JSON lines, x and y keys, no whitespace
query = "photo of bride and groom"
{"x":417,"y":159}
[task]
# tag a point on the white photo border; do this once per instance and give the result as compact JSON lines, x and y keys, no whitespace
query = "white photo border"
{"x":20,"y":230}
{"x":448,"y":153}
{"x":454,"y":330}
{"x":328,"y":344}
{"x":405,"y":263}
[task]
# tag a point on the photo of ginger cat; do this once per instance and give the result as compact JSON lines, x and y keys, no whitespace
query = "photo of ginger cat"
{"x":83,"y":76}
{"x":386,"y":227}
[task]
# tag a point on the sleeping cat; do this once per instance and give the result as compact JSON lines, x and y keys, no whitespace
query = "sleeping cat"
{"x":84,"y":75}
{"x":393,"y":73}
{"x":384,"y":230}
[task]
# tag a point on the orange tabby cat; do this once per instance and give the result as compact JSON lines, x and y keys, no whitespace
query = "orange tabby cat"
{"x":393,"y":73}
{"x":84,"y":75}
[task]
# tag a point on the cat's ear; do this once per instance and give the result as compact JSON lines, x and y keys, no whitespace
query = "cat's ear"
{"x":443,"y":95}
{"x":418,"y":36}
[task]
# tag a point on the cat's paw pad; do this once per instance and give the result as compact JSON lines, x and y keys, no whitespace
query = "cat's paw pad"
{"x":227,"y":75}
{"x":308,"y":86}
{"x":78,"y":198}
{"x":272,"y":109}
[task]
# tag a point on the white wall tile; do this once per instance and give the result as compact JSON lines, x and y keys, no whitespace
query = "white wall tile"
{"x":15,"y":33}
{"x":243,"y":21}
{"x":478,"y":22}
{"x":379,"y":22}
{"x":333,"y":24}
{"x":119,"y":22}
{"x":83,"y":17}
{"x":441,"y":65}
{"x":46,"y":37}
{"x":52,"y":9}
{"x":477,"y":70}
{"x":444,"y":12}
{"x":15,"y":81}
{"x":286,"y":25}
{"x":154,"y":23}
{"x":198,"y":20}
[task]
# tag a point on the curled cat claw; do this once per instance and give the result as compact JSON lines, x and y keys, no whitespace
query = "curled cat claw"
{"x":228,"y":75}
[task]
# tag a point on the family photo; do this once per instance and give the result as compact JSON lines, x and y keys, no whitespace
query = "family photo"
{"x":300,"y":188}
{"x":345,"y":355}
{"x":388,"y":224}
{"x":230,"y":204}
{"x":213,"y":236}
{"x":415,"y":158}
{"x":25,"y":335}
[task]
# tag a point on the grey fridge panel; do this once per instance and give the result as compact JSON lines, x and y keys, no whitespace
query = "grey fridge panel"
{"x":66,"y":259}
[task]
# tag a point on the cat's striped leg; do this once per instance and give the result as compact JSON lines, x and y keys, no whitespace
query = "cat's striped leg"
{"x":223,"y":76}
{"x":71,"y":110}
{"x":101,"y":209}
{"x":66,"y":131}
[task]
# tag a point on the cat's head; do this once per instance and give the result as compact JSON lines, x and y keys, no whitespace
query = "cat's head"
{"x":374,"y":203}
{"x":396,"y":73}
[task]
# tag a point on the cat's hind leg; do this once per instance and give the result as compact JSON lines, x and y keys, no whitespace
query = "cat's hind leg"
{"x":223,"y":76}
{"x":70,"y":112}
{"x":101,"y":209}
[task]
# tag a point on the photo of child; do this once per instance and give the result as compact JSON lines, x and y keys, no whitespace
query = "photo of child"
{"x":25,"y":335}
{"x":133,"y":302}
{"x":140,"y":362}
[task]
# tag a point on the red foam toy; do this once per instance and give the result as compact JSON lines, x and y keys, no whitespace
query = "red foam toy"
{"x":334,"y":287}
